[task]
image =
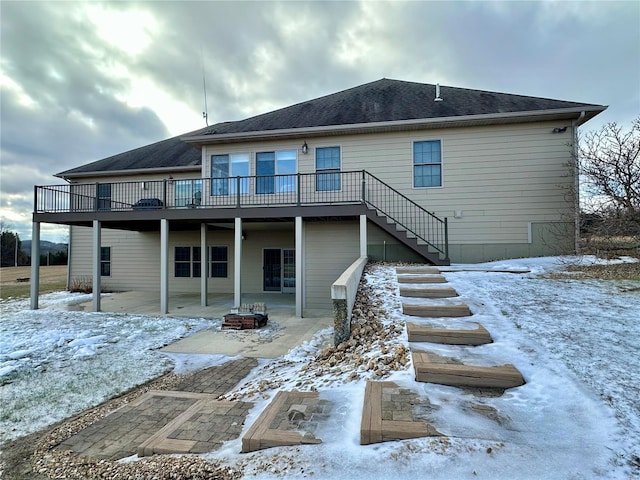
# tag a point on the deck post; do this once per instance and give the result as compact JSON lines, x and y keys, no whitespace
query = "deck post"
{"x":204,"y":265}
{"x":97,"y":243}
{"x":35,"y":264}
{"x":164,"y":266}
{"x":299,"y":264}
{"x":237,"y":263}
{"x":363,"y":235}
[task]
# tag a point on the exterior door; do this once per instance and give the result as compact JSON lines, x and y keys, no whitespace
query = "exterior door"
{"x":279,"y":269}
{"x":272,"y":268}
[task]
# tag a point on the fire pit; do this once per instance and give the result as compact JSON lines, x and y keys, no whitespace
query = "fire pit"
{"x":247,"y":316}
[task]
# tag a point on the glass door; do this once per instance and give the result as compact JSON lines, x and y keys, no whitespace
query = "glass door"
{"x":279,"y":270}
{"x":272,"y":266}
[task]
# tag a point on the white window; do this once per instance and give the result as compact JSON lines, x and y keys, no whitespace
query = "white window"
{"x":427,"y":164}
{"x":223,"y":170}
{"x":327,"y":169}
{"x":276,"y":171}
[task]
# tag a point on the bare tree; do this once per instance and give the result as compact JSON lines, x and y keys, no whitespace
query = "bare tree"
{"x":609,"y":166}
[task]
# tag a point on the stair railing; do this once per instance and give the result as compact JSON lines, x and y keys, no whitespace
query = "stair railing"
{"x":425,"y":226}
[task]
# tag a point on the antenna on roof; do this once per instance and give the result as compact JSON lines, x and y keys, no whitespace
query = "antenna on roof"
{"x":205,"y":114}
{"x":438,"y":98}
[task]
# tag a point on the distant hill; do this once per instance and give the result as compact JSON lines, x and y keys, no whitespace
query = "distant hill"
{"x":45,"y":247}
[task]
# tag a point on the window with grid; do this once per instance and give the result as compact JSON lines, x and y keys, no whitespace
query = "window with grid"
{"x":187,"y":262}
{"x":219,"y":262}
{"x":327,"y":169}
{"x":105,"y":261}
{"x":427,"y":164}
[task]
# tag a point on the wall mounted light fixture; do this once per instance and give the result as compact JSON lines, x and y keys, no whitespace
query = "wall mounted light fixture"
{"x":559,"y":130}
{"x":305,"y":148}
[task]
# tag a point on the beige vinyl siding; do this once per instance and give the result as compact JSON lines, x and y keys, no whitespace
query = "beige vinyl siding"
{"x":501,"y":177}
{"x":383,"y":247}
{"x":135,"y":258}
{"x":330,"y":248}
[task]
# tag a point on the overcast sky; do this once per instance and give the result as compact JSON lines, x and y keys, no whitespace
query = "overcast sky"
{"x":82,"y":81}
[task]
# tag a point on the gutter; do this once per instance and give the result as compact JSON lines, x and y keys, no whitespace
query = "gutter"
{"x":440,"y":122}
{"x":114,"y":173}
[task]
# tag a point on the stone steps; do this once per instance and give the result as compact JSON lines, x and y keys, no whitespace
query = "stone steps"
{"x":427,"y":333}
{"x":421,"y":279}
{"x":283,"y":421}
{"x":416,"y":270}
{"x":460,"y":310}
{"x":430,"y":368}
{"x":446,"y":292}
{"x":387,"y":415}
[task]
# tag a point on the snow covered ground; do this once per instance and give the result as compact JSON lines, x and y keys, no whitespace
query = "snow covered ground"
{"x":577,"y":343}
{"x":55,"y":363}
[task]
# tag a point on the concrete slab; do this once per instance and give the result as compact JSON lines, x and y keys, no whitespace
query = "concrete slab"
{"x":283,"y":331}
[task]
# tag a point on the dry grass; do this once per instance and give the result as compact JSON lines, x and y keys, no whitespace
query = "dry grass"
{"x":618,"y":271}
{"x":52,"y":279}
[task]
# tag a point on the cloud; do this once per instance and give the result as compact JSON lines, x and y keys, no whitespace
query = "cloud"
{"x":82,"y":81}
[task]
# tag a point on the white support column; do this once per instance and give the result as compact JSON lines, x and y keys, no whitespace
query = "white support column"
{"x":164,"y":266}
{"x":204,"y":265}
{"x":237,"y":263}
{"x":35,"y":264}
{"x":97,"y":243}
{"x":300,"y":281}
{"x":363,"y":235}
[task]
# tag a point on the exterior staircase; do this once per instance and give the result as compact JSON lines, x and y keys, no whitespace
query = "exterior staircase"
{"x":405,"y":220}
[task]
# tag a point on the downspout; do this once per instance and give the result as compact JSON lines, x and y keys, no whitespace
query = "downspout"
{"x":576,"y":183}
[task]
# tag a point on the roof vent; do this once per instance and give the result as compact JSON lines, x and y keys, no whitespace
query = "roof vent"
{"x":438,"y":98}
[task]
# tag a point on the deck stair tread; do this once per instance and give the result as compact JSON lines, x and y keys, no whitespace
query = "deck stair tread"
{"x":428,"y":333}
{"x":458,"y":310}
{"x":432,"y":368}
{"x":387,"y":415}
{"x":290,"y":419}
{"x":446,"y":292}
{"x":425,"y":278}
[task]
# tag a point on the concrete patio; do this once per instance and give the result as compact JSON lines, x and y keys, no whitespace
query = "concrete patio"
{"x":283,"y":324}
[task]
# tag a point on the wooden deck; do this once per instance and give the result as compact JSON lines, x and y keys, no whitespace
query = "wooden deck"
{"x":430,"y":368}
{"x":461,"y":310}
{"x":387,"y":415}
{"x":427,"y":333}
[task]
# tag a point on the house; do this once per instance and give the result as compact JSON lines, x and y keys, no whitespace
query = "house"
{"x":285,"y":201}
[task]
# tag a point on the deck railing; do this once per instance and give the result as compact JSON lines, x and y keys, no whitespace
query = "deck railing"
{"x":302,"y":189}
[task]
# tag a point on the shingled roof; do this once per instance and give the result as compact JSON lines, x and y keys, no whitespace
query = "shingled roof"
{"x":388,"y":100}
{"x":381,"y":102}
{"x":169,"y":153}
